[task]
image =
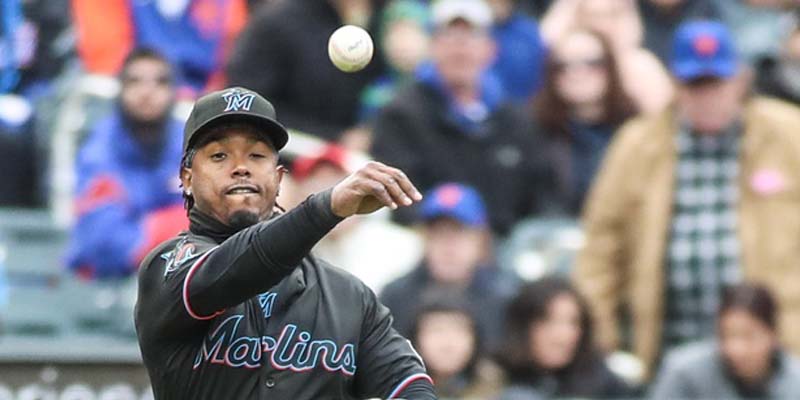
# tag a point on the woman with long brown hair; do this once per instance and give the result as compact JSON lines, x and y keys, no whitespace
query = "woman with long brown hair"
{"x":581,"y":105}
{"x":549,"y":350}
{"x":642,"y":75}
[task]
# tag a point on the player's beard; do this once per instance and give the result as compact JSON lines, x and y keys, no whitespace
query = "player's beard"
{"x":242,"y":219}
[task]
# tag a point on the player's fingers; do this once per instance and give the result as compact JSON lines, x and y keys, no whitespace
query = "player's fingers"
{"x":391,"y":185}
{"x":402,"y":180}
{"x":378,"y":190}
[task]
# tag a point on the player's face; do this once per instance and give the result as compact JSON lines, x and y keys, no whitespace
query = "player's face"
{"x":747,"y":345}
{"x":554,"y":340}
{"x":235,"y":178}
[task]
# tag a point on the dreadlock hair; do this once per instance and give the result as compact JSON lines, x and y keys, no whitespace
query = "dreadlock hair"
{"x":186,"y":162}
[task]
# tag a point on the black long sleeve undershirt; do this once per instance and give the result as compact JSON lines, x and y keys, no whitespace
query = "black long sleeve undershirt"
{"x":257,"y":258}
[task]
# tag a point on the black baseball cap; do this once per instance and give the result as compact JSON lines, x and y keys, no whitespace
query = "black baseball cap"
{"x":234,"y":104}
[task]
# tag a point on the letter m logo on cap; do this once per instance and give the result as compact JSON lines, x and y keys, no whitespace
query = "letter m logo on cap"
{"x":238,"y":100}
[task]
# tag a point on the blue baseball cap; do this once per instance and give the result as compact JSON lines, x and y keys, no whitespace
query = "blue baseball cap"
{"x":703,"y":49}
{"x":456,"y":201}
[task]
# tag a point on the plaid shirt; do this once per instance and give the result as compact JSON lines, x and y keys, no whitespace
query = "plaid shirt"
{"x":703,"y":252}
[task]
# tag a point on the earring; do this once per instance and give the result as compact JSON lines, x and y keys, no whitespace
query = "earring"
{"x":188,"y":192}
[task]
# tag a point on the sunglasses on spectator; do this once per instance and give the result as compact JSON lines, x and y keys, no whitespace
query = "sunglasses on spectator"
{"x":592,"y":63}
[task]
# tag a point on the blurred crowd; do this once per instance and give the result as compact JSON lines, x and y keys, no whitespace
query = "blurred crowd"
{"x":612,"y":187}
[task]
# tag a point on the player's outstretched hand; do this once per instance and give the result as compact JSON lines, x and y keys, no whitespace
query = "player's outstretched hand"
{"x":373,"y":186}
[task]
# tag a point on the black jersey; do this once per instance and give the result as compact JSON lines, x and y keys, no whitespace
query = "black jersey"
{"x":253,"y":316}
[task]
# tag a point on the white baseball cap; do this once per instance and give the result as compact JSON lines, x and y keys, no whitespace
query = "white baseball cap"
{"x":475,"y":12}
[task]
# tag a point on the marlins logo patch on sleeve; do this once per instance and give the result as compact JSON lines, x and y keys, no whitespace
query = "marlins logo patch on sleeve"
{"x":183,"y":252}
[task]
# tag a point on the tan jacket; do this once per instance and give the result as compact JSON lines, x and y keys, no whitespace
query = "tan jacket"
{"x":628,"y":212}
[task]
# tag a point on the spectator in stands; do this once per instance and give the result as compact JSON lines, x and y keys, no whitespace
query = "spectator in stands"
{"x":196,"y":36}
{"x":32,"y":53}
{"x":691,"y":200}
{"x":29,"y":60}
{"x":780,"y":76}
{"x":282,"y":55}
{"x":454,"y":125}
{"x":446,"y":336}
{"x":577,"y":112}
{"x":549,"y":350}
{"x":358,"y":244}
{"x":520,"y":50}
{"x":128,"y":199}
{"x":745,"y":362}
{"x":403,"y":34}
{"x":661,"y":17}
{"x":458,"y":256}
{"x":644,"y":77}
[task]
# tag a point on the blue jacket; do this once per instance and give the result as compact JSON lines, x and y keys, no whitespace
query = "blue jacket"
{"x":123,"y":188}
{"x":492,"y":96}
{"x":192,"y":41}
{"x":520,"y":56}
{"x":10,"y":22}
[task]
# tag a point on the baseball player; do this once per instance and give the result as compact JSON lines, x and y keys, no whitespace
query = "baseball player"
{"x":236,"y":308}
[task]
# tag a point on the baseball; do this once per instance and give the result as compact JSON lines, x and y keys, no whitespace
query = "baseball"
{"x":350,"y":48}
